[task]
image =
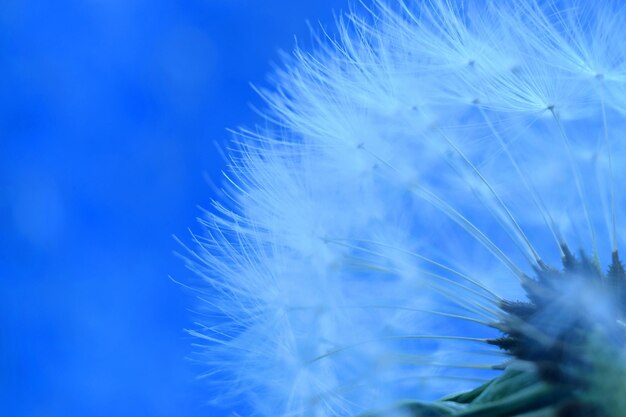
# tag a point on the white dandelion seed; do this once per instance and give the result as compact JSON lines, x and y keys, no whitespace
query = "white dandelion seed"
{"x":435,"y":206}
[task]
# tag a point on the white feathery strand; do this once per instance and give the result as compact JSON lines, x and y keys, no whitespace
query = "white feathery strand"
{"x":509,"y":215}
{"x":607,"y":144}
{"x":464,"y":277}
{"x":577,"y":180}
{"x":469,"y":227}
{"x":547,"y":218}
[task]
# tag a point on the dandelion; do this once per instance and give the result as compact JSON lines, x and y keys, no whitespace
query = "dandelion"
{"x":429,"y":223}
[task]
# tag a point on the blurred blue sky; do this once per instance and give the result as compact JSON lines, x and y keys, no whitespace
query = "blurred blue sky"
{"x":109,"y":110}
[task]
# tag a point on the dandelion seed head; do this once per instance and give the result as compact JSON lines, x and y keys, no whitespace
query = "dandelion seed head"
{"x":433,"y":202}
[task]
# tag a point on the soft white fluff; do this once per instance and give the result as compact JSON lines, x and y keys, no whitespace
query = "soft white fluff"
{"x":413,"y":167}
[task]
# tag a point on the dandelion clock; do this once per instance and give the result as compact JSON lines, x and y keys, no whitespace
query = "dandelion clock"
{"x":429,"y":220}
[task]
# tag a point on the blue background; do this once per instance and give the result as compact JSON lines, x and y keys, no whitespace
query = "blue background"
{"x":109,"y":115}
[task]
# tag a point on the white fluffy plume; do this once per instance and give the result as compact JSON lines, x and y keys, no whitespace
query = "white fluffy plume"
{"x":412,"y":171}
